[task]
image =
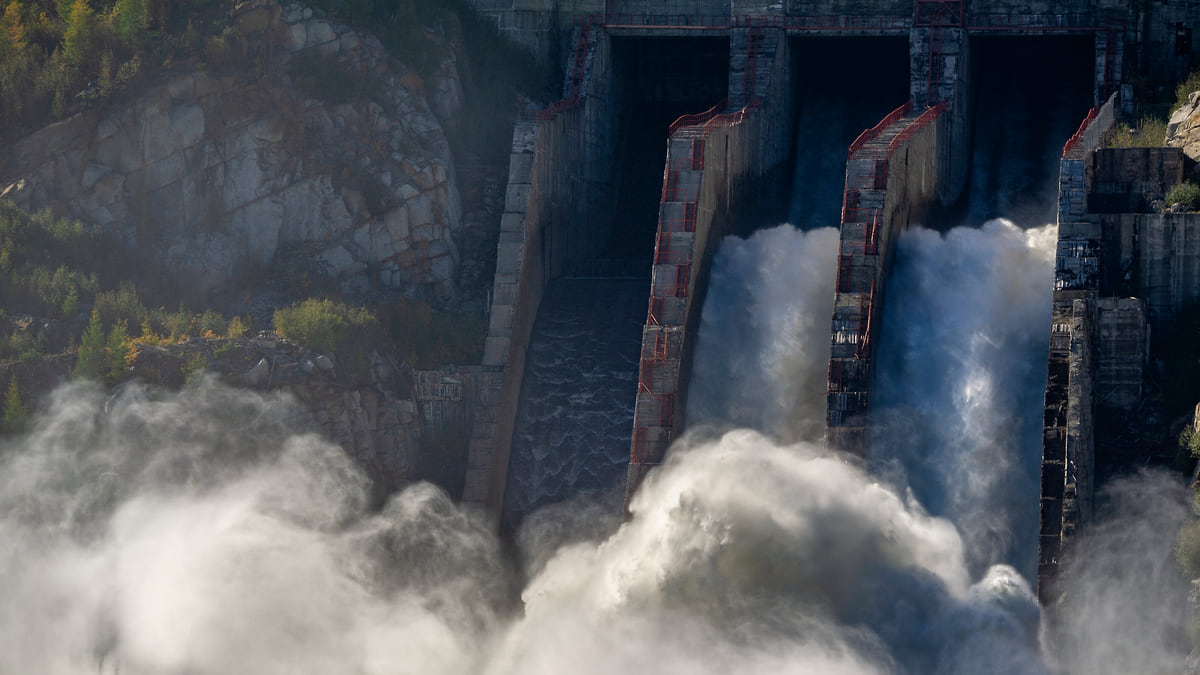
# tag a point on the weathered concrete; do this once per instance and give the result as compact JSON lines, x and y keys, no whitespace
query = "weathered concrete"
{"x":1152,"y":39}
{"x":1067,"y":441}
{"x":717,"y":169}
{"x":1121,"y":346}
{"x":557,"y":179}
{"x":1126,"y":180}
{"x":559,"y":173}
{"x":896,"y":172}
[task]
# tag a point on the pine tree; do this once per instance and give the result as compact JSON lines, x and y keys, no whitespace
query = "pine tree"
{"x":13,"y":41}
{"x":15,"y":416}
{"x":118,"y":350}
{"x":129,"y":20}
{"x":92,"y":351}
{"x":80,"y":36}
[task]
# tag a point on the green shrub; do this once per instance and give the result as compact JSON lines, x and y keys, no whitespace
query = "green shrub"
{"x":237,"y":328}
{"x":197,"y":363}
{"x":1185,"y":88}
{"x":329,"y":326}
{"x":1186,"y":193}
{"x":1149,"y":133}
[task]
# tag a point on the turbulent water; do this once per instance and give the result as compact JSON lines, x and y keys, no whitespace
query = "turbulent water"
{"x":575,"y":415}
{"x":155,"y":533}
{"x":960,"y":379}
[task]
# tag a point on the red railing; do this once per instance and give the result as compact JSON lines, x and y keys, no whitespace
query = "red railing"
{"x":697,"y":118}
{"x":916,"y":125}
{"x":1075,"y":139}
{"x":862,"y":349}
{"x":664,"y":255}
{"x":871,"y":134}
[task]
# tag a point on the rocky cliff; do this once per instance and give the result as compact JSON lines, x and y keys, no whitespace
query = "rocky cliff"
{"x":1183,"y":129}
{"x":311,"y":146}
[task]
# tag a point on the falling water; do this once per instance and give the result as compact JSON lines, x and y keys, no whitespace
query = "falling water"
{"x":960,"y":378}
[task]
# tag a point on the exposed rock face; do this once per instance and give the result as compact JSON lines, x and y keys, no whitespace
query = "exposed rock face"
{"x":212,"y":171}
{"x":1183,"y":129}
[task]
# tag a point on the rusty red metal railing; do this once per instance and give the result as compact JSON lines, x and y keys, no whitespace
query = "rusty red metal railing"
{"x":665,"y":254}
{"x":1074,"y":140}
{"x":863,"y":349}
{"x":697,"y":118}
{"x":871,"y":134}
{"x":916,"y":125}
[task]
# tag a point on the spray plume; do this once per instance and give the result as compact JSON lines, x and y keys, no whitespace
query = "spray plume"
{"x":194,"y":532}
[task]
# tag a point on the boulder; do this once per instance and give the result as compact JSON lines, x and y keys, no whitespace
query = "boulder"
{"x":1183,"y":129}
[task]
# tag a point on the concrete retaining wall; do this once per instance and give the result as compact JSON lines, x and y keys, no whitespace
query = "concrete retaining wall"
{"x":558,"y":179}
{"x":1068,"y":447}
{"x":1155,"y":256}
{"x":716,"y":171}
{"x":891,"y":181}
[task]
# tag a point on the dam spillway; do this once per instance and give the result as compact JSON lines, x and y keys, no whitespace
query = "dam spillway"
{"x":734,"y":167}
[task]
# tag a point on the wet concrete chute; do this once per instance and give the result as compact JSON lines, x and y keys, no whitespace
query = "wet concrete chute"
{"x":572,"y":430}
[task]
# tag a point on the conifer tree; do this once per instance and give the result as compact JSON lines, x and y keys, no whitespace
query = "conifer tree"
{"x":118,"y":349}
{"x":15,"y":416}
{"x":129,"y":20}
{"x":93,"y":351}
{"x":13,"y":41}
{"x":80,"y":34}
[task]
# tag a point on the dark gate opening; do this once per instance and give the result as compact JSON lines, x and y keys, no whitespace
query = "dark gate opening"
{"x":1028,"y":96}
{"x":660,"y":80}
{"x":841,"y":86}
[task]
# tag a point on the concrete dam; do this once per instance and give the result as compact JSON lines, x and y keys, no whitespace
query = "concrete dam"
{"x":683,"y":123}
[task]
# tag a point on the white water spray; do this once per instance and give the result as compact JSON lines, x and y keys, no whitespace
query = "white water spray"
{"x":193,"y":532}
{"x":960,"y":380}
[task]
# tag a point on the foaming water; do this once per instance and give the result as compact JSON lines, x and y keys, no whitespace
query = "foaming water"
{"x":155,"y":533}
{"x":960,"y":377}
{"x":763,"y":332}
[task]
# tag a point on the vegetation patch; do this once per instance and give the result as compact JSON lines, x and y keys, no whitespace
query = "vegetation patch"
{"x":1185,"y":88}
{"x":1186,"y":193}
{"x":1149,"y":132}
{"x":60,"y":56}
{"x":327,"y":325}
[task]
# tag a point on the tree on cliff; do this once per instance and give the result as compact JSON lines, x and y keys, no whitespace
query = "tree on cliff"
{"x":92,"y":353}
{"x":80,"y":36}
{"x":13,"y":41}
{"x":15,"y":416}
{"x":129,"y":20}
